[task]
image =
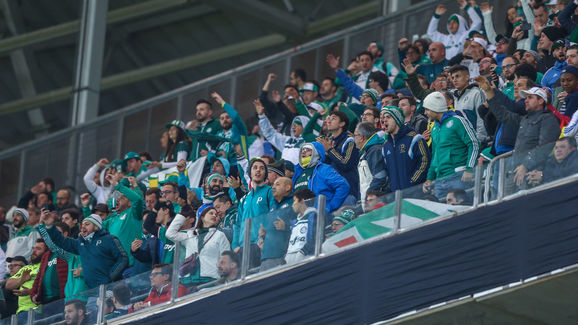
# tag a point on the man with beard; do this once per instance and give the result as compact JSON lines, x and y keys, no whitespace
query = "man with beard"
{"x":23,"y":238}
{"x":214,"y":186}
{"x":204,"y":123}
{"x":228,"y":268}
{"x":233,"y":129}
{"x":553,"y":74}
{"x":75,"y":312}
{"x":509,"y":64}
{"x":21,"y":283}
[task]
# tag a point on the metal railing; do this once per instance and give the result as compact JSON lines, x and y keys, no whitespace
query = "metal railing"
{"x":67,"y":154}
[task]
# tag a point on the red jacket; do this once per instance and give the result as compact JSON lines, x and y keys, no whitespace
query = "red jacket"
{"x":36,"y":293}
{"x":156,"y":297}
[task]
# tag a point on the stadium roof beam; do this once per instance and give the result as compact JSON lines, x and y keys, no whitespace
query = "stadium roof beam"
{"x":188,"y":62}
{"x":23,"y":63}
{"x":279,"y":20}
{"x":149,"y":72}
{"x":65,"y":29}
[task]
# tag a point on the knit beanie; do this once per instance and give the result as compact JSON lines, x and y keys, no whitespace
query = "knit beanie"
{"x":213,"y":176}
{"x":396,"y":113}
{"x":554,"y":33}
{"x":95,"y":219}
{"x":373,"y":94}
{"x":23,"y":213}
{"x":277,"y":167}
{"x":436,"y":102}
{"x":345,"y":217}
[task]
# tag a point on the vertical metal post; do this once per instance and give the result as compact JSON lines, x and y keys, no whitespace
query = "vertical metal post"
{"x":89,"y":62}
{"x":101,"y":303}
{"x":477,"y":184}
{"x":233,"y":93}
{"x":246,"y":249}
{"x":488,"y":181}
{"x":320,"y":227}
{"x":14,"y":320}
{"x":120,"y":136}
{"x":21,"y":173}
{"x":501,"y":179}
{"x":175,"y":274}
{"x":345,"y":55}
{"x":30,"y":320}
{"x":149,"y":122}
{"x":397,"y":210}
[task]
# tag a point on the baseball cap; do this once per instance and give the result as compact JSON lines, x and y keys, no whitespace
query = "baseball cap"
{"x":17,"y":259}
{"x":534,"y":91}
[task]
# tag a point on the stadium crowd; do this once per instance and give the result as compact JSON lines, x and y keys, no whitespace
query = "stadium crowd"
{"x":452,"y":101}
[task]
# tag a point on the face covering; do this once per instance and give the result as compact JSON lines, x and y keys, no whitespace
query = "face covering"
{"x":305,"y":161}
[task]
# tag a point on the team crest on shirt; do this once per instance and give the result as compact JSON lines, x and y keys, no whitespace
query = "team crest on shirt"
{"x":402,"y":148}
{"x":209,"y":130}
{"x":450,"y":124}
{"x":303,"y":230}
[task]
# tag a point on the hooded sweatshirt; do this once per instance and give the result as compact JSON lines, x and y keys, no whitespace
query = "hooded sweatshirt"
{"x":454,"y":42}
{"x":254,"y":205}
{"x":324,"y":178}
{"x":288,"y":145}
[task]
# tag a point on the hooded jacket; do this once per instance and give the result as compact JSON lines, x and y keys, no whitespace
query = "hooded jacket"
{"x":254,"y":205}
{"x":288,"y":145}
{"x":22,"y":242}
{"x":407,"y":158}
{"x":454,"y":42}
{"x":371,"y":167}
{"x":102,"y":257}
{"x":324,"y":180}
{"x":455,"y":147}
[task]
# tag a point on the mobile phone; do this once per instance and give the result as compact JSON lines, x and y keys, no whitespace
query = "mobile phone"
{"x":525,"y":26}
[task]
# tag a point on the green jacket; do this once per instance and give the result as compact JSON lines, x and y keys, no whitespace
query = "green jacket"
{"x":74,"y":285}
{"x":254,"y":205}
{"x":127,"y":225}
{"x":454,"y":146}
{"x":211,"y":127}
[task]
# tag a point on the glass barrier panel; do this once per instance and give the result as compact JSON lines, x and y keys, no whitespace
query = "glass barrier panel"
{"x":81,"y":308}
{"x":544,"y":164}
{"x":137,"y":293}
{"x":9,"y":174}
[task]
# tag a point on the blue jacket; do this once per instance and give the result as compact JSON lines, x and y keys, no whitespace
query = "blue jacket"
{"x":326,"y":180}
{"x":407,"y":158}
{"x":571,"y":103}
{"x":553,"y":74}
{"x":430,"y":71}
{"x":102,"y":257}
{"x":254,"y":205}
{"x":565,"y":17}
{"x":344,"y":157}
{"x":276,"y":241}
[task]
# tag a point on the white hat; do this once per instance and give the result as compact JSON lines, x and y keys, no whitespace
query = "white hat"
{"x":480,"y":41}
{"x":315,"y":106}
{"x":535,"y":91}
{"x":436,"y":102}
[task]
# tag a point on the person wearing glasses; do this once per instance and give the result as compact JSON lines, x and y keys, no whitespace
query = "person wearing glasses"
{"x":14,"y":265}
{"x":160,"y":288}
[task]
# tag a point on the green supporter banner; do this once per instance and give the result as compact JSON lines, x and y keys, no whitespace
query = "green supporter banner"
{"x":381,"y":221}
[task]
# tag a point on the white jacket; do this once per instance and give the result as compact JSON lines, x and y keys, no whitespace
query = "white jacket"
{"x":101,"y":193}
{"x":215,"y":244}
{"x":454,"y":42}
{"x":288,"y":145}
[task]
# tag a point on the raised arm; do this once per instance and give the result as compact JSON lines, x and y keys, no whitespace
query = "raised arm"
{"x":173,"y":233}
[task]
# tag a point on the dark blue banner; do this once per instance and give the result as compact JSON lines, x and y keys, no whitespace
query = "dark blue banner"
{"x":489,"y":247}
